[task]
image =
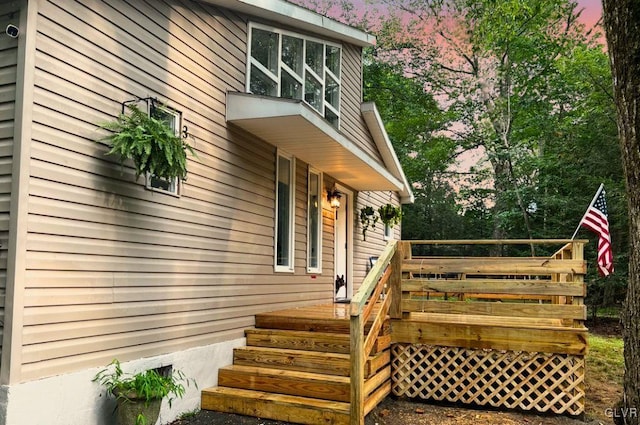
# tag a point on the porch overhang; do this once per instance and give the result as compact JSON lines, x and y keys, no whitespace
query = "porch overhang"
{"x":291,"y":125}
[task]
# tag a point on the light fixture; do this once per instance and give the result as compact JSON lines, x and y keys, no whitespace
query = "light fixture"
{"x":333,"y":196}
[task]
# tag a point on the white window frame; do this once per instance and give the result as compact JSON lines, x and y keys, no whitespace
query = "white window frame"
{"x":289,"y":266}
{"x":174,"y":184}
{"x":318,"y":229}
{"x":276,"y":78}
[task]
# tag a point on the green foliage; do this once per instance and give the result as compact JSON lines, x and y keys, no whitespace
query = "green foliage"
{"x":523,"y":85}
{"x":147,"y":386}
{"x":390,"y":215}
{"x":605,"y":358}
{"x":190,"y":414}
{"x":149,"y":142}
{"x":368,"y":219}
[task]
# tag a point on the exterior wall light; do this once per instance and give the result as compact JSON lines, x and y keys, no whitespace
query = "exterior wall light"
{"x":333,"y":196}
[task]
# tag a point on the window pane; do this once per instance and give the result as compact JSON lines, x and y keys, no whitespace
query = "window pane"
{"x":333,"y":60}
{"x":264,"y":48}
{"x":172,"y":120}
{"x":332,"y":92}
{"x":284,"y":211}
{"x":169,"y":118}
{"x":164,"y":184}
{"x":313,"y":92}
{"x":290,"y":87}
{"x":331,"y":117}
{"x":314,"y":221}
{"x":314,"y":57}
{"x":292,"y":53}
{"x":261,"y":84}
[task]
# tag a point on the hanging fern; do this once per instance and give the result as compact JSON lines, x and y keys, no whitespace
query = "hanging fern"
{"x":390,"y":215}
{"x":149,"y":142}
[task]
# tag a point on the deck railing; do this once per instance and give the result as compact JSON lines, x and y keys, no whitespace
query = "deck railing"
{"x":370,"y":304}
{"x":540,"y":288}
{"x":429,"y":297}
{"x":509,"y":329}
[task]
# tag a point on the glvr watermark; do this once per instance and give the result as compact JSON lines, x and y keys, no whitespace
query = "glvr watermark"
{"x":622,"y":412}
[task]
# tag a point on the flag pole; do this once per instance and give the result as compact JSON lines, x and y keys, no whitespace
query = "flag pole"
{"x":585,"y":213}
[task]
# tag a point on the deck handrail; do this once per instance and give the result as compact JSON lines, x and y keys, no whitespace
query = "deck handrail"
{"x":361,"y":309}
{"x":557,"y":279}
{"x":494,"y":241}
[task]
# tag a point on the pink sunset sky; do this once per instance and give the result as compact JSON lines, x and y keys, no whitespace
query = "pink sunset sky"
{"x":592,"y":11}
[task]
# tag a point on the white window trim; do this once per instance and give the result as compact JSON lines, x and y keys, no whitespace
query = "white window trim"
{"x":320,"y":192}
{"x":301,"y":79}
{"x":288,"y":268}
{"x":177,"y":115}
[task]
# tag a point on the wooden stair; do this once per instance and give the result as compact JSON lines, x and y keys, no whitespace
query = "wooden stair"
{"x":296,"y":367}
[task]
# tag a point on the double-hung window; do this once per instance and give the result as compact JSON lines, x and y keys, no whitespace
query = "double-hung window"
{"x":314,"y":222}
{"x":293,"y":66}
{"x":172,"y":119}
{"x":285,"y":213}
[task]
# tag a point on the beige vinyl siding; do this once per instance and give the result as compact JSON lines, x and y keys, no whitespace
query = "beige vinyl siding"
{"x":375,"y":242}
{"x":115,"y":270}
{"x":351,"y":121}
{"x":8,"y":76}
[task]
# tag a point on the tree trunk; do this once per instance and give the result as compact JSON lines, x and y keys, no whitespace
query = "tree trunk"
{"x":622,"y":25}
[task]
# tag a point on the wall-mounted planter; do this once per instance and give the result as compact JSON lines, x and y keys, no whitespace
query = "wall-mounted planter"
{"x":149,"y":142}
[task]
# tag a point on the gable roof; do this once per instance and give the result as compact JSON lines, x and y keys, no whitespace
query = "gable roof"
{"x":290,"y":14}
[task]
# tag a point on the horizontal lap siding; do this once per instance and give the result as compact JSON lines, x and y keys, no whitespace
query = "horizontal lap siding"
{"x":351,"y":121}
{"x":375,"y":242}
{"x":8,"y":74}
{"x":115,"y":270}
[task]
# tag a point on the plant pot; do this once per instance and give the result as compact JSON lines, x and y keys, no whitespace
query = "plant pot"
{"x":137,"y":411}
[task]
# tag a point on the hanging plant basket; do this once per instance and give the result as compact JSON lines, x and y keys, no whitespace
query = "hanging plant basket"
{"x":149,"y":142}
{"x":368,"y":219}
{"x":390,"y":215}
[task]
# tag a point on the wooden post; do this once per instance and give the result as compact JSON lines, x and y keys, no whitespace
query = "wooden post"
{"x":577,"y":253}
{"x":395,"y":282}
{"x":357,"y":370}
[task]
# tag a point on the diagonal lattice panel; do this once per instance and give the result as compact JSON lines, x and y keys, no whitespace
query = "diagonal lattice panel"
{"x":544,"y":382}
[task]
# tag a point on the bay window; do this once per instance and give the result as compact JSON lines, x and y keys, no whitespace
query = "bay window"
{"x":293,"y":66}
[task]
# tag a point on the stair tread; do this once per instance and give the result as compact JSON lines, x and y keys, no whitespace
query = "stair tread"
{"x":307,"y":361}
{"x":296,"y":352}
{"x":327,"y":342}
{"x":335,"y":406}
{"x":338,"y":335}
{"x":266,"y":371}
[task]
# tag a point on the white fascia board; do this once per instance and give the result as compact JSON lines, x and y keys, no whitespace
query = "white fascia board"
{"x":379,"y":133}
{"x":296,"y":16}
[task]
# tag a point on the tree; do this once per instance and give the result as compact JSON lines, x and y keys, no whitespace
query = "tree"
{"x":517,"y":80}
{"x":413,"y":125}
{"x":493,"y":65}
{"x":622,"y":26}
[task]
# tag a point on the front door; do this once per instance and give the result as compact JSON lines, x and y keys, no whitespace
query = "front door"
{"x":343,"y":241}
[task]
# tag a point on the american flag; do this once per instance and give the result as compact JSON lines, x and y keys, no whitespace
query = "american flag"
{"x":595,"y":219}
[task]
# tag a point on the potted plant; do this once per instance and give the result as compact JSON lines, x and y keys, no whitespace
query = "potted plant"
{"x":390,"y":215}
{"x":368,"y":219}
{"x":152,"y":145}
{"x":139,"y":396}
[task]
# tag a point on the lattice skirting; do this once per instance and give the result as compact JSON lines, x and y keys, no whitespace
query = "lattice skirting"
{"x":508,"y":379}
